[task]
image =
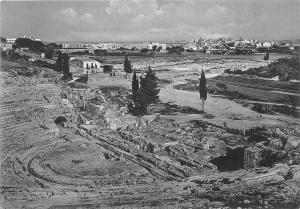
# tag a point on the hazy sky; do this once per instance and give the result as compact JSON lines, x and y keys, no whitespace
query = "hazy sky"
{"x":151,"y":19}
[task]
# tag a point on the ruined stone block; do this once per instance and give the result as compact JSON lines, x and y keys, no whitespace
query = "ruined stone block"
{"x":252,"y":157}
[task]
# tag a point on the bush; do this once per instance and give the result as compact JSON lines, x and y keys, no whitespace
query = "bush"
{"x":67,"y":77}
{"x":285,"y":68}
{"x":49,"y":53}
{"x":45,"y":64}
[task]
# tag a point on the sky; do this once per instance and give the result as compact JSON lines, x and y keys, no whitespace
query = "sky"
{"x":150,"y":20}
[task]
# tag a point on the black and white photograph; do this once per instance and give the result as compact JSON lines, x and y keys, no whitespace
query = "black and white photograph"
{"x":150,"y":104}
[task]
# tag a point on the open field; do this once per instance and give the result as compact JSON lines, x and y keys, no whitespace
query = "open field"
{"x":66,"y":147}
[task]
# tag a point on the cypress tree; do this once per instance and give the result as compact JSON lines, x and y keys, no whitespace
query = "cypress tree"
{"x":65,"y":64}
{"x":59,"y":62}
{"x":127,"y":66}
{"x":202,"y":89}
{"x":135,"y":87}
{"x":149,"y":88}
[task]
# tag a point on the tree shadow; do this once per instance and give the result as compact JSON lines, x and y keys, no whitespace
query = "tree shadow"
{"x":172,"y":109}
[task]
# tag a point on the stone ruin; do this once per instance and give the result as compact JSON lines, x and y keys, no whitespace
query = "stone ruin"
{"x":95,"y":108}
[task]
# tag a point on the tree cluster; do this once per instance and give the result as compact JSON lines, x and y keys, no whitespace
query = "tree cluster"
{"x":144,"y":93}
{"x":36,"y":46}
{"x":62,"y":65}
{"x":144,"y":50}
{"x":100,"y":52}
{"x":175,"y":49}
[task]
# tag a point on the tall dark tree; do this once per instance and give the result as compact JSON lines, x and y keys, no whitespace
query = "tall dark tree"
{"x":149,"y":88}
{"x":135,"y":87}
{"x":59,"y":62}
{"x":127,"y":66}
{"x":202,"y":89}
{"x":65,"y":64}
{"x":266,"y":57}
{"x":139,"y":107}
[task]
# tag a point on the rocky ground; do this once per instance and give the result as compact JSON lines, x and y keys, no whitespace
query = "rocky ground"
{"x":67,"y":147}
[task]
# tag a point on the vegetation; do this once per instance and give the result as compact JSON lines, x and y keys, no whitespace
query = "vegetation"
{"x":3,"y":39}
{"x":149,"y":88}
{"x":144,"y":95}
{"x":135,"y":87}
{"x":45,"y":64}
{"x":175,"y":49}
{"x":258,"y":83}
{"x":83,"y":79}
{"x":144,"y":50}
{"x":202,"y":89}
{"x":11,"y":55}
{"x":65,"y":67}
{"x":49,"y":53}
{"x":100,"y":52}
{"x":59,"y":62}
{"x":127,"y":66}
{"x":285,"y":68}
{"x":35,"y":46}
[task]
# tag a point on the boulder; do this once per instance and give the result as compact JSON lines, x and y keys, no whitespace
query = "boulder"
{"x":292,"y":143}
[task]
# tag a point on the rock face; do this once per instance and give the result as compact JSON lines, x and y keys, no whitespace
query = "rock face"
{"x":118,"y":119}
{"x":292,"y":143}
{"x":252,"y":157}
{"x":260,"y":187}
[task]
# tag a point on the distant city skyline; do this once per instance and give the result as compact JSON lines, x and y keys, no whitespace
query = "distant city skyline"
{"x":150,"y":20}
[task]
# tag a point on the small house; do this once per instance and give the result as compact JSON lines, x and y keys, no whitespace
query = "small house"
{"x":80,"y":66}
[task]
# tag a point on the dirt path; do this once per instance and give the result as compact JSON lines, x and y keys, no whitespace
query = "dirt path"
{"x":223,"y":110}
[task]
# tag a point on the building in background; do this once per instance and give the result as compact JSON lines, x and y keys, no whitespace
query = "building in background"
{"x":73,"y":46}
{"x":157,"y":45}
{"x":108,"y":46}
{"x":11,"y":40}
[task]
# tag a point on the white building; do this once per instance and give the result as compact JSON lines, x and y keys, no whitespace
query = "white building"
{"x":73,"y":45}
{"x":151,"y":45}
{"x":107,"y":46}
{"x":191,"y":46}
{"x":11,"y":40}
{"x":267,"y":44}
{"x":80,"y":66}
